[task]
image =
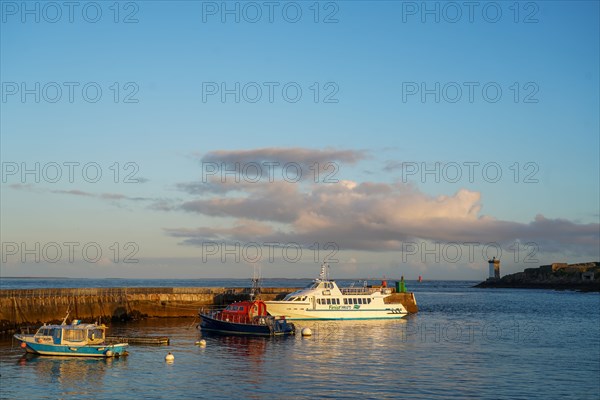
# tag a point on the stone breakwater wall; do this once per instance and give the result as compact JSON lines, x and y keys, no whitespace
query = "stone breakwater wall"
{"x":32,"y":307}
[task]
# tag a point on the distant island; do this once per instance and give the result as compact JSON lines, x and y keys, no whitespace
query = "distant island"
{"x":559,"y":276}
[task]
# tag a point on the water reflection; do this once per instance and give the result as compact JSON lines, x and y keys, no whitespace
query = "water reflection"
{"x":252,"y":348}
{"x":73,"y":375}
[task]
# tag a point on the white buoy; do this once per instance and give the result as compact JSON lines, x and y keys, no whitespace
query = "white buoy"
{"x":306,"y":332}
{"x":169,"y":357}
{"x":109,"y":353}
{"x":201,"y":343}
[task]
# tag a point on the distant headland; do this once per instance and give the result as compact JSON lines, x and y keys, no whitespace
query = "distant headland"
{"x":559,"y":276}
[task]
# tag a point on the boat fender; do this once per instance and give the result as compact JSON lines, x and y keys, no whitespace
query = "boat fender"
{"x":109,"y":353}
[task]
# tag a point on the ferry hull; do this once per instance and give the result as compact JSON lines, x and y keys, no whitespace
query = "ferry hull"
{"x":282,"y":308}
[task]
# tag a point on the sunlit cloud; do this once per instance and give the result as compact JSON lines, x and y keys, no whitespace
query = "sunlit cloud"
{"x":367,"y":216}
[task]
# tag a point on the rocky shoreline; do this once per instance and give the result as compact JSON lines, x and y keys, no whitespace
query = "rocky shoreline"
{"x":583,"y":277}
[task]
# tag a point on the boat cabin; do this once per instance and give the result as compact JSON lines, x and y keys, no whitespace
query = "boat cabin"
{"x":75,"y":334}
{"x":243,"y":311}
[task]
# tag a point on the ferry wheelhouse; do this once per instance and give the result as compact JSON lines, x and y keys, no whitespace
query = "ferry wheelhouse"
{"x":324,"y":300}
{"x":245,"y":318}
{"x":75,"y":339}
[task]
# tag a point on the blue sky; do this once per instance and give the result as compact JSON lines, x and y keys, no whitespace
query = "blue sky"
{"x":545,"y":125}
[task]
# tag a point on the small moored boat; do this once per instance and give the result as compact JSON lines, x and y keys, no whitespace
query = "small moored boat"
{"x":245,"y":318}
{"x":74,"y":339}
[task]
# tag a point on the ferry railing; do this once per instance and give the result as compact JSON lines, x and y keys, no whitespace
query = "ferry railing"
{"x":364,"y":290}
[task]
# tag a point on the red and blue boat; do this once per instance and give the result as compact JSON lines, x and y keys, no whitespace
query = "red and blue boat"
{"x":245,"y":318}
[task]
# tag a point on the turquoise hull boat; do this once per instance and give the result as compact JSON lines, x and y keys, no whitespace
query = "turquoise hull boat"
{"x":113,"y":350}
{"x":75,"y":339}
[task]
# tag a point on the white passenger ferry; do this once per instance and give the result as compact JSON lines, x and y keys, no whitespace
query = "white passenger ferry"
{"x":323,"y":299}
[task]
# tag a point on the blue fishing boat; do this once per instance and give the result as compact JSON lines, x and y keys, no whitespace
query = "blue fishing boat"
{"x":74,"y":339}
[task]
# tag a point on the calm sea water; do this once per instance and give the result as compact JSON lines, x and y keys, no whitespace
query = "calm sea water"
{"x":464,"y":343}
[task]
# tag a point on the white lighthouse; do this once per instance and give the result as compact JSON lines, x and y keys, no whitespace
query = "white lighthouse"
{"x":494,"y":268}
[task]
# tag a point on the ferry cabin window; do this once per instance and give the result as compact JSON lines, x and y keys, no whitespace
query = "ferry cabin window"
{"x":345,"y":301}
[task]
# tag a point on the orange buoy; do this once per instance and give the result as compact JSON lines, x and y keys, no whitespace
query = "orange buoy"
{"x":23,"y":345}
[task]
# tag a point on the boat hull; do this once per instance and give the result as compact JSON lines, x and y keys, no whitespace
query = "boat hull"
{"x":306,"y":313}
{"x":279,"y":328}
{"x":49,"y":349}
